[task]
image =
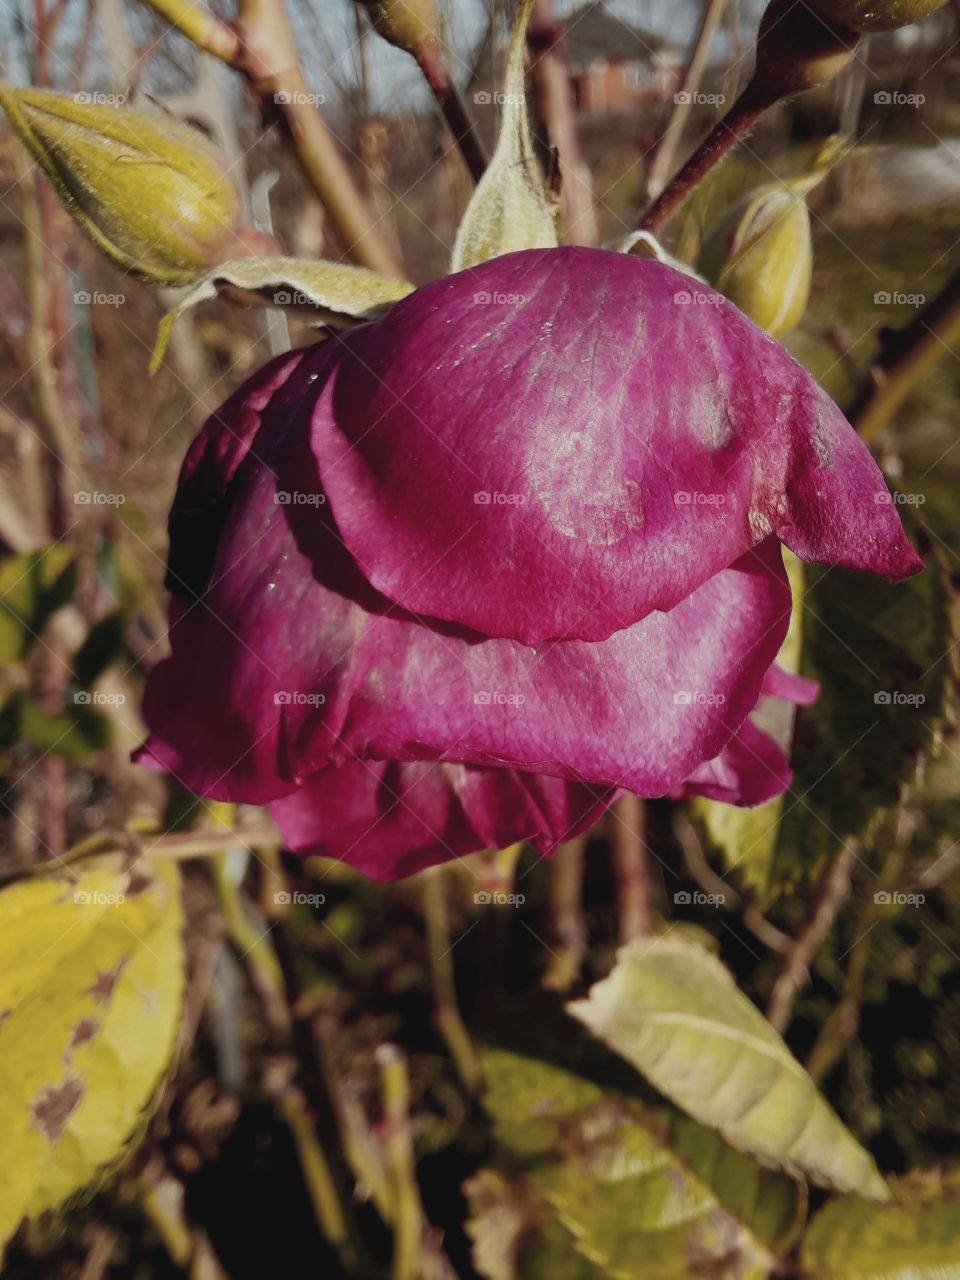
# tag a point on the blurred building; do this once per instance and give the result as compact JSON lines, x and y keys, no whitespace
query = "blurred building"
{"x":614,"y":66}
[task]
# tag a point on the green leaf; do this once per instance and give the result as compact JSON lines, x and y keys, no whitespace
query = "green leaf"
{"x":323,"y":293}
{"x":91,"y":987}
{"x":915,"y":1238}
{"x":509,"y":210}
{"x":674,"y":1012}
{"x":885,"y":658}
{"x":637,"y":1190}
{"x":32,"y":587}
{"x":74,"y":733}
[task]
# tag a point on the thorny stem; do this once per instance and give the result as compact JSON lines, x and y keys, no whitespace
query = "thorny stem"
{"x":448,"y":98}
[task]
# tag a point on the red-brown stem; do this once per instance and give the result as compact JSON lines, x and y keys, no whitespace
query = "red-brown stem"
{"x":631,"y":867}
{"x":733,"y":128}
{"x":448,"y":98}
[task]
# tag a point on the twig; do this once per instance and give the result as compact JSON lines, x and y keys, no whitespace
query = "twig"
{"x":569,"y":925}
{"x":736,"y":125}
{"x":631,"y":867}
{"x":448,"y":98}
{"x":906,"y":355}
{"x":662,"y":160}
{"x":795,"y":973}
{"x":261,"y":46}
{"x":703,"y":874}
{"x":398,"y":1142}
{"x":451,"y":1024}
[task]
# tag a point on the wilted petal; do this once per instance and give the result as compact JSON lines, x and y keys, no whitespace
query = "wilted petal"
{"x":558,"y":443}
{"x":291,"y":657}
{"x":390,"y":820}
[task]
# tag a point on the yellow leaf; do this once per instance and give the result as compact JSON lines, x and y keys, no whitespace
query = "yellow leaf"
{"x":325,"y":293}
{"x":509,"y":209}
{"x":91,"y":987}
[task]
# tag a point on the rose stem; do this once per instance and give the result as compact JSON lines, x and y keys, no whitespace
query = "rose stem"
{"x":631,"y":867}
{"x":398,"y":1144}
{"x":726,"y":133}
{"x":448,"y":98}
{"x":566,"y":912}
{"x":450,"y":1023}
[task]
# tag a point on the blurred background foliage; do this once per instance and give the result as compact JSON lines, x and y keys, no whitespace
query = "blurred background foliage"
{"x":360,"y":1080}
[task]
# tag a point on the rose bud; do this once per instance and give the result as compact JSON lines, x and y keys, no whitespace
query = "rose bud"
{"x":764,"y":261}
{"x":876,"y":15}
{"x":408,"y":24}
{"x":148,"y":192}
{"x":798,"y":49}
{"x":454,"y":578}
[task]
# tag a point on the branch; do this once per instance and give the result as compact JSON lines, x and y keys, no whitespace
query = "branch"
{"x":906,"y":355}
{"x":665,"y":150}
{"x":262,"y":48}
{"x":448,"y":98}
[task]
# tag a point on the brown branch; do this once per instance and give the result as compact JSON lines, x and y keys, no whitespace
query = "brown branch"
{"x":631,"y":866}
{"x":448,"y":98}
{"x":736,"y":125}
{"x":795,"y":973}
{"x":906,"y":355}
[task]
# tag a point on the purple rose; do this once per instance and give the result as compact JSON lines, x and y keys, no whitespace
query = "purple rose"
{"x":454,"y":578}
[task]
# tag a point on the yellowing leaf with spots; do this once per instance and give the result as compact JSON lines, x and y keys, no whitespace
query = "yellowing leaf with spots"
{"x":91,"y":988}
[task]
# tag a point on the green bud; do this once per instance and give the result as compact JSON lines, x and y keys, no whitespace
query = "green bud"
{"x":408,"y":24}
{"x":148,"y":192}
{"x":876,"y":15}
{"x":761,"y":256}
{"x":798,"y":50}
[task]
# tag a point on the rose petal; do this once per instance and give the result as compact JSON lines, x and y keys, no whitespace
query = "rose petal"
{"x":291,"y":661}
{"x":558,"y":443}
{"x":749,"y":771}
{"x":389,"y":820}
